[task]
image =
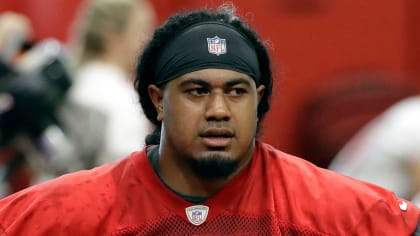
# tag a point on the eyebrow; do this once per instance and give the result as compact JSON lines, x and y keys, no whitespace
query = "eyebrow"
{"x":204,"y":83}
{"x":238,"y":81}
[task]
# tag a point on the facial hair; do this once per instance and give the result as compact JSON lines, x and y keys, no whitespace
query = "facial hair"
{"x":214,"y":166}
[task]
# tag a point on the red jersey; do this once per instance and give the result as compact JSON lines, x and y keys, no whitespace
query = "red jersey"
{"x":276,"y":194}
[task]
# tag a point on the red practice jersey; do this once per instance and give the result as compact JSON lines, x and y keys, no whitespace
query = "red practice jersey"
{"x":277,"y":194}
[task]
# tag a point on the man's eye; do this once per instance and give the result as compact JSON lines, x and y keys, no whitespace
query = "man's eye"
{"x":198,"y":91}
{"x":237,"y":91}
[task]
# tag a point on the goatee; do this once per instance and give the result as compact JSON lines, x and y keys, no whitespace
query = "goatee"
{"x":214,"y":166}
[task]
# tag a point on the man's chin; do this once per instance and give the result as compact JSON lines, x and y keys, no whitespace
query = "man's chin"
{"x":214,"y":165}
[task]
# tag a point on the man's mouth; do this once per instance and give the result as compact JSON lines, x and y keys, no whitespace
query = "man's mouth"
{"x":217,"y":137}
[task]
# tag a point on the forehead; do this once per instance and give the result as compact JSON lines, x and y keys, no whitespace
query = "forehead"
{"x":215,"y":76}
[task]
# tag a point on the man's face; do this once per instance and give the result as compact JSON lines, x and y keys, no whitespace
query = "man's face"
{"x":209,"y":116}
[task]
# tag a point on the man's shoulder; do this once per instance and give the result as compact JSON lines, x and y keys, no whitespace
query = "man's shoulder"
{"x":61,"y":188}
{"x":84,"y":181}
{"x":313,"y":178}
{"x":86,"y":195}
{"x":345,"y":200}
{"x":299,"y":169}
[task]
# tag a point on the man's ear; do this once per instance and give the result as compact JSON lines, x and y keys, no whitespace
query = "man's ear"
{"x":156,"y":95}
{"x":260,"y":92}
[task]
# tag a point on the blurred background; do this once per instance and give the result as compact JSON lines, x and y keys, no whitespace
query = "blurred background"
{"x":337,"y":64}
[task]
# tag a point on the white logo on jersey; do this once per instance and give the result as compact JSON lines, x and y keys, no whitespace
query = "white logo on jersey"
{"x":403,"y":206}
{"x":197,"y":214}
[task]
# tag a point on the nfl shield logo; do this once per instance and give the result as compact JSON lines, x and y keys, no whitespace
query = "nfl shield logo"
{"x":197,"y":214}
{"x":216,"y":45}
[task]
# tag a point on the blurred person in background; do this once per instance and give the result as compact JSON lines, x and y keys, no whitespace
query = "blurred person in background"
{"x":387,"y":151}
{"x":33,"y":84}
{"x":15,"y":30}
{"x":108,"y":36}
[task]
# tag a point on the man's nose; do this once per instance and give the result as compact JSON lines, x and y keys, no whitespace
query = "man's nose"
{"x":218,"y":107}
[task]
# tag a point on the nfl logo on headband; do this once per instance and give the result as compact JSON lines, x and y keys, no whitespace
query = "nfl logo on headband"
{"x":216,"y":45}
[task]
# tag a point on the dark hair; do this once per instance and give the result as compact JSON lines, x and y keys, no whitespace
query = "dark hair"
{"x":170,"y":29}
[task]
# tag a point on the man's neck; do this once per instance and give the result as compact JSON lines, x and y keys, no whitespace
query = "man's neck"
{"x":179,"y":176}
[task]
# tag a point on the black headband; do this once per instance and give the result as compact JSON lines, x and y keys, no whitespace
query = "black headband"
{"x":207,"y":45}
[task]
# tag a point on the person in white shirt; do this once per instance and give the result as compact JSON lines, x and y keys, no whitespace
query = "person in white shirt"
{"x":110,"y":35}
{"x":387,"y":151}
